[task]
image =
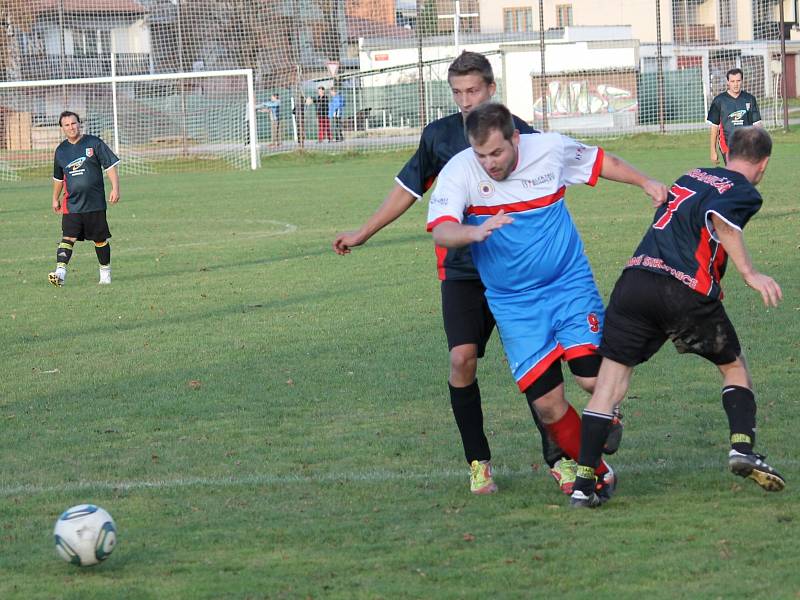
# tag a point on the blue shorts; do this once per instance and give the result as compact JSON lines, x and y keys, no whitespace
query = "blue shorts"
{"x":545,"y":324}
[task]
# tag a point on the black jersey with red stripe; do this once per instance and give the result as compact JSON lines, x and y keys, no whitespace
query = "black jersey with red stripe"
{"x":441,"y":140}
{"x":682,"y":243}
{"x":729,"y":113}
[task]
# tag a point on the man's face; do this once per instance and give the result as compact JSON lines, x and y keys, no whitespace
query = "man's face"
{"x":320,"y":92}
{"x":497,"y":155}
{"x":470,"y":91}
{"x":71,"y":128}
{"x":735,"y":84}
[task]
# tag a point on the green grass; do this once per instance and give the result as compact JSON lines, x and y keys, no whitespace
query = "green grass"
{"x":265,"y":419}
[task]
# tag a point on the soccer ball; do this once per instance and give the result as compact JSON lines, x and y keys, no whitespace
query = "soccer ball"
{"x":85,"y":535}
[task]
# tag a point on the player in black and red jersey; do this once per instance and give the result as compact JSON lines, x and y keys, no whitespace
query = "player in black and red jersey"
{"x":731,"y":109}
{"x":670,"y":289}
{"x":468,"y":321}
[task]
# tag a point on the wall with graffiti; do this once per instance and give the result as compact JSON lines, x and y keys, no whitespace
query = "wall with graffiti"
{"x":584,"y":94}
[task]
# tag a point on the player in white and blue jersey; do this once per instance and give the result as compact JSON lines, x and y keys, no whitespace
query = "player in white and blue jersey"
{"x":539,"y":284}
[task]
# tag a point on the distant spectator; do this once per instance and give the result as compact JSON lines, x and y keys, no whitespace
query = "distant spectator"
{"x":335,"y":109}
{"x":323,"y":121}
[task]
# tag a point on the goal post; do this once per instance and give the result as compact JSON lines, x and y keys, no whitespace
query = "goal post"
{"x":146,"y":119}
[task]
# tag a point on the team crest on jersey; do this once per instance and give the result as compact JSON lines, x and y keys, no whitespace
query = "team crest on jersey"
{"x":747,"y":105}
{"x":89,"y":152}
{"x":485,"y":189}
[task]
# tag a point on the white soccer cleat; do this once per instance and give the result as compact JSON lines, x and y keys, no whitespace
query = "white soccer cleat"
{"x":105,"y":275}
{"x":57,"y":277}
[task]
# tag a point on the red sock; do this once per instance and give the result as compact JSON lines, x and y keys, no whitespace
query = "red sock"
{"x":566,"y":432}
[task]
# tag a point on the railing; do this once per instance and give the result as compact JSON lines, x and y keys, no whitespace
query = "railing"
{"x":49,"y":66}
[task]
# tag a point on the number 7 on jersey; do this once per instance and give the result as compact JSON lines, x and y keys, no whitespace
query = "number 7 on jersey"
{"x":680,"y":195}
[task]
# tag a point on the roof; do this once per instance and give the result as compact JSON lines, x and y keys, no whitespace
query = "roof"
{"x":87,"y":6}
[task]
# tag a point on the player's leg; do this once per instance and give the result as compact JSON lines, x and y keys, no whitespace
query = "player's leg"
{"x":71,"y":230}
{"x":97,"y":231}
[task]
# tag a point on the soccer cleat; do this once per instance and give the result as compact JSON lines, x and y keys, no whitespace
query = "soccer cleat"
{"x":564,"y":472}
{"x":105,"y":275}
{"x":604,"y":487}
{"x":480,"y":478}
{"x":57,"y":278}
{"x":614,"y":437}
{"x":752,"y":466}
{"x":578,"y":499}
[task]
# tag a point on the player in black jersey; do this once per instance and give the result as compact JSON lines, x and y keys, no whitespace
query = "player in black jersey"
{"x":731,"y":109}
{"x":468,"y":321}
{"x":670,"y":289}
{"x":78,"y":167}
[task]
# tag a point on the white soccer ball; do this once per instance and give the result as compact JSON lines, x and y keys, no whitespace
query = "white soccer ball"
{"x":85,"y":535}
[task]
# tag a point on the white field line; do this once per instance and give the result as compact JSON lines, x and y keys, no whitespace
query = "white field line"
{"x":376,"y":476}
{"x":288,"y":228}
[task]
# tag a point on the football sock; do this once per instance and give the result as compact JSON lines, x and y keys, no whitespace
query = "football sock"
{"x":740,"y":406}
{"x":64,"y":252}
{"x":466,"y":403}
{"x":550,"y":450}
{"x":103,"y":251}
{"x":594,"y":431}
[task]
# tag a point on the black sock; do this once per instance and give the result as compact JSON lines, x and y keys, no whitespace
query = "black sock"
{"x":103,"y":253}
{"x":740,"y":406}
{"x":466,"y":403}
{"x":550,"y":450}
{"x":594,"y":431}
{"x":64,"y":252}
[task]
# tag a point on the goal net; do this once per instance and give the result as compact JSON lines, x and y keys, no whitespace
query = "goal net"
{"x":153,"y":122}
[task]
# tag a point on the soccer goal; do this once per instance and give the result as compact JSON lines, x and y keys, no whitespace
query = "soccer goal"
{"x":153,"y":122}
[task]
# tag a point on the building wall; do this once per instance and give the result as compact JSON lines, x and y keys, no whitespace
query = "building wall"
{"x":374,"y":10}
{"x":639,"y":15}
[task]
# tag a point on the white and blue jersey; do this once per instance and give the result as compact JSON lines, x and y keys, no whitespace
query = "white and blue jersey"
{"x":538,"y":280}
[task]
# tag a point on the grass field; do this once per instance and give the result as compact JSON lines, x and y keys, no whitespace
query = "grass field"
{"x":265,"y":419}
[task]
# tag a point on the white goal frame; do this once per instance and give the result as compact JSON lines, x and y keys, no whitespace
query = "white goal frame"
{"x":114,"y":79}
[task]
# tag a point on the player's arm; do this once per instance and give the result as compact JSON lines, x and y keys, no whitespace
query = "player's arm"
{"x":713,"y":137}
{"x":398,"y":201}
{"x":113,"y":177}
{"x":732,"y":240}
{"x":616,"y":169}
{"x":58,"y":187}
{"x":451,"y":234}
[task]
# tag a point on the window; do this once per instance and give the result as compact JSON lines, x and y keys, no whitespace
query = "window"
{"x":563,"y":15}
{"x":517,"y":20}
{"x":84,"y":42}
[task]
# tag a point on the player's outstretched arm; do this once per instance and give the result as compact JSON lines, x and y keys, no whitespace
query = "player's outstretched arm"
{"x":733,"y":242}
{"x":113,"y":177}
{"x":455,"y":235}
{"x":398,"y":201}
{"x":58,"y":186}
{"x":616,"y":169}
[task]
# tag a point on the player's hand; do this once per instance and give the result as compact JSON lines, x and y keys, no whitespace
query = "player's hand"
{"x":345,"y":241}
{"x":656,"y":190}
{"x":56,"y":205}
{"x":714,"y":157}
{"x":766,"y":286}
{"x":113,"y":197}
{"x":485,"y":229}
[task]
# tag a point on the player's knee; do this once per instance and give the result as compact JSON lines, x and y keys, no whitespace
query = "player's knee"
{"x":546,"y":393}
{"x":463,"y":363}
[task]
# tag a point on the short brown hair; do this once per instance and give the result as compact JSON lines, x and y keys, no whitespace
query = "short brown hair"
{"x":484,"y":119}
{"x":752,"y":144}
{"x":471,"y":62}
{"x":68,"y":113}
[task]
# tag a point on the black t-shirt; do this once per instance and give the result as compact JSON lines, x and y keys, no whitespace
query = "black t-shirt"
{"x":441,"y":140}
{"x":321,"y":104}
{"x":682,"y":242}
{"x":729,"y":113}
{"x":80,"y":166}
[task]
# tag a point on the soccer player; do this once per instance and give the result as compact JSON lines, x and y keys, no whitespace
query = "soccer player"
{"x":78,"y":166}
{"x":539,"y":284}
{"x":468,"y":322}
{"x":731,"y":109}
{"x":670,"y":289}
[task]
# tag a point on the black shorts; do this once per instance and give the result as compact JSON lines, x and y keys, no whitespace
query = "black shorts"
{"x":86,"y":226}
{"x":467,"y":318}
{"x":646,"y":309}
